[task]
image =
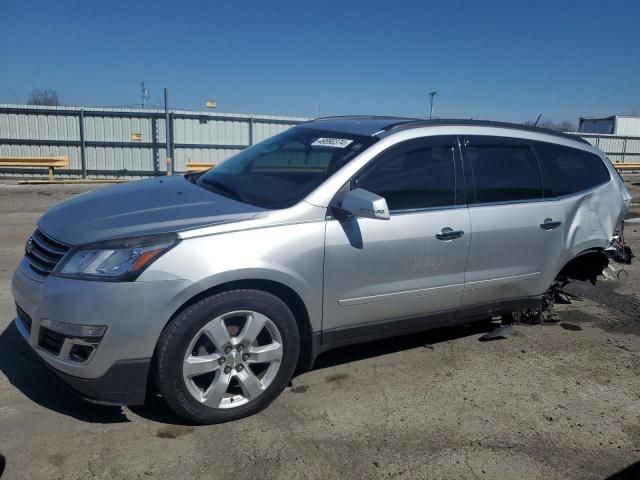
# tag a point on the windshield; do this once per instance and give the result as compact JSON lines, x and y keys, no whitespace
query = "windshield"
{"x":282,"y":170}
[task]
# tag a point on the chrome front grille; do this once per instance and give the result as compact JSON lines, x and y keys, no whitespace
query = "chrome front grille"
{"x":43,"y":253}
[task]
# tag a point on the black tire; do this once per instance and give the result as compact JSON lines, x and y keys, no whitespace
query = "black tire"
{"x":177,"y":335}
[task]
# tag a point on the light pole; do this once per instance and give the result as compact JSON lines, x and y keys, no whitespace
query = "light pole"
{"x":168,"y":129}
{"x":144,"y":93}
{"x":431,"y":95}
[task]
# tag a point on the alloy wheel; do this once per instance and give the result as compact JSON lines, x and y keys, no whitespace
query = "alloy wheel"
{"x":232,"y":359}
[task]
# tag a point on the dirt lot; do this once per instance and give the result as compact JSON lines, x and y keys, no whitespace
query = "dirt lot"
{"x":553,"y":401}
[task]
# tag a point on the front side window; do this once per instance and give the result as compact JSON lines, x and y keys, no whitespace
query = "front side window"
{"x":281,"y":171}
{"x":503,"y":171}
{"x":414,"y":175}
{"x":568,"y":170}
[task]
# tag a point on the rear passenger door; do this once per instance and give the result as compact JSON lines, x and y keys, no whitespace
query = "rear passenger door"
{"x":517,"y":235}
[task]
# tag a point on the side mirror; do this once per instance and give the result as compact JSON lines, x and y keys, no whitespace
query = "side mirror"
{"x":362,"y":203}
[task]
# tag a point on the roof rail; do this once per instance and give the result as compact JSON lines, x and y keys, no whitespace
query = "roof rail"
{"x":416,"y":123}
{"x":372,"y":117}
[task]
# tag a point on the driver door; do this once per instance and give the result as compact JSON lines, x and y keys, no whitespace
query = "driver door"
{"x":408,"y":271}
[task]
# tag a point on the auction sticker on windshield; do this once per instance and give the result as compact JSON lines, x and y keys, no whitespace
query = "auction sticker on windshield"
{"x":332,"y":142}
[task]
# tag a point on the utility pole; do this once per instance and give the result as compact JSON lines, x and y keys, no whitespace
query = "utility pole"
{"x":431,"y":95}
{"x":167,"y":130}
{"x":144,"y":93}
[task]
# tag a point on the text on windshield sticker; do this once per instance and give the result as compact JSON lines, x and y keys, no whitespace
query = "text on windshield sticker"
{"x":332,"y":142}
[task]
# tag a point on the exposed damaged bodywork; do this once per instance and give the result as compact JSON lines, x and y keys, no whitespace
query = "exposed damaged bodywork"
{"x":589,"y":266}
{"x":619,"y":250}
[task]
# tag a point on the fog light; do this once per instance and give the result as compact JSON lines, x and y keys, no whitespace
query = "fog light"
{"x":80,"y":353}
{"x":74,"y":330}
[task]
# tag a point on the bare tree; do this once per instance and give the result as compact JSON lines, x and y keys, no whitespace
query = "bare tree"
{"x":564,"y":126}
{"x":46,"y":96}
{"x":567,"y":126}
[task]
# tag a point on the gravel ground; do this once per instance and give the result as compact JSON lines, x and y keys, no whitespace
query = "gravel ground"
{"x":552,"y":401}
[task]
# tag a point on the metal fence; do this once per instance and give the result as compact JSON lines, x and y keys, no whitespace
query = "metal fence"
{"x":619,"y":149}
{"x":118,"y":142}
{"x":108,"y":142}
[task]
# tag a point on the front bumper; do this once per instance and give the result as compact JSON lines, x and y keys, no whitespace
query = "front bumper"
{"x":116,"y":369}
{"x":125,"y":383}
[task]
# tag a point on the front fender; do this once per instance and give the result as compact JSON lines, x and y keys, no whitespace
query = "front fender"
{"x":291,"y":255}
{"x":253,"y":274}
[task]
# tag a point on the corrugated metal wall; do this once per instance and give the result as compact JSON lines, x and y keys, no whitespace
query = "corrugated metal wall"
{"x":619,"y":149}
{"x":110,"y":150}
{"x":110,"y":147}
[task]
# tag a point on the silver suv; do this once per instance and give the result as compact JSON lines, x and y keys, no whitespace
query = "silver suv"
{"x":213,"y":288}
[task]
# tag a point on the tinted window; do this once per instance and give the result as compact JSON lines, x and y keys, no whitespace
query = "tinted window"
{"x":503,"y":171}
{"x":281,"y":171}
{"x":597,"y":126}
{"x":293,"y":156}
{"x":413,"y":175}
{"x":567,"y":170}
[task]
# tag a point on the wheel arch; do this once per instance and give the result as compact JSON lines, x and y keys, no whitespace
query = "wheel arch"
{"x":585,"y":265}
{"x":284,"y":292}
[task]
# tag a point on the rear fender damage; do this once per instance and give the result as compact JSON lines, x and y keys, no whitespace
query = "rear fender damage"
{"x":586,"y":266}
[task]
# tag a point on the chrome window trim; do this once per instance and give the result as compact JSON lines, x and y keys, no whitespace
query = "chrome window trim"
{"x":427,"y":209}
{"x":538,"y":200}
{"x":407,"y":211}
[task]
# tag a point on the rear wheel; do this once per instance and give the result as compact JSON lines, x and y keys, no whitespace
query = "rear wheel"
{"x":227,"y":356}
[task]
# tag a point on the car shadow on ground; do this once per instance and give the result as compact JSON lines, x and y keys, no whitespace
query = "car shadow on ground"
{"x":387,"y":346}
{"x":632,"y":472}
{"x":26,"y":372}
{"x":156,"y":410}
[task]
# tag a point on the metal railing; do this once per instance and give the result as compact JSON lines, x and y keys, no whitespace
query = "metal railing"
{"x":619,"y":149}
{"x":112,"y":142}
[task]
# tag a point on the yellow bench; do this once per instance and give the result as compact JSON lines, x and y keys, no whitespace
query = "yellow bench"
{"x":198,"y":166}
{"x":47,"y":162}
{"x":626,"y":167}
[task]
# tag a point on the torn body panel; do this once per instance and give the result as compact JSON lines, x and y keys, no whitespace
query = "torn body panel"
{"x":590,"y":234}
{"x":592,"y":219}
{"x":594,"y":222}
{"x":519,"y":249}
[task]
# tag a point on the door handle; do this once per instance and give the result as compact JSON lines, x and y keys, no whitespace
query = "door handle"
{"x":447,"y":233}
{"x":549,"y":224}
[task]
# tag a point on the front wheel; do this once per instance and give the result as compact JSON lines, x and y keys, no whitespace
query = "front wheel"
{"x":228,"y":356}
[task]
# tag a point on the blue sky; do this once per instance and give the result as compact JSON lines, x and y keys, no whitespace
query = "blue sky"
{"x":502,"y":60}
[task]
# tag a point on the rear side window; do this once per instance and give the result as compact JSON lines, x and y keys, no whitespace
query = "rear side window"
{"x":503,"y":170}
{"x":568,"y":170}
{"x":413,"y":175}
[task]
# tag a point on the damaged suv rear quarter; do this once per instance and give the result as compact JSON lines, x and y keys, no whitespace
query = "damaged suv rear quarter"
{"x":594,"y":221}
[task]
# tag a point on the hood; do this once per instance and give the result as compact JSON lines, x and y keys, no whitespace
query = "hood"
{"x":155,"y":205}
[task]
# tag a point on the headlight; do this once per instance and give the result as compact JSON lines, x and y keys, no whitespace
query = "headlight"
{"x":116,"y":260}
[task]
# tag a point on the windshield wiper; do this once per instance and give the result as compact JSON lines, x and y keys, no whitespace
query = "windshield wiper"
{"x":224,"y":188}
